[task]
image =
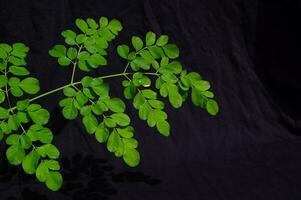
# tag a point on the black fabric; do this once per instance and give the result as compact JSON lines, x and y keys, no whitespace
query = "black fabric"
{"x":250,"y":53}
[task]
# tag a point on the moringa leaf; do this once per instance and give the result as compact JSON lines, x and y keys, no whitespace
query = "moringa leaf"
{"x":15,"y":154}
{"x":123,"y":51}
{"x":150,"y":38}
{"x":82,"y":25}
{"x":30,"y":162}
{"x":212,"y":107}
{"x":162,"y":40}
{"x":171,"y":50}
{"x":116,"y":105}
{"x":131,"y":157}
{"x":30,"y":85}
{"x":137,"y":43}
{"x":54,"y":181}
{"x":18,"y":71}
{"x":58,"y":51}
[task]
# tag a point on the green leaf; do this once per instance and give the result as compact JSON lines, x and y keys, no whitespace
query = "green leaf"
{"x":30,"y":162}
{"x":156,"y":116}
{"x":38,"y":132}
{"x":69,"y":111}
{"x":144,"y":111}
{"x":81,"y":99}
{"x":121,"y":119}
{"x":22,"y":117}
{"x":201,"y":85}
{"x":130,"y":143}
{"x":54,"y":181}
{"x":149,"y":94}
{"x":69,"y":34}
{"x":100,"y":88}
{"x":131,"y":157}
{"x":64,"y":61}
{"x":12,"y":139}
{"x":84,"y":55}
{"x":116,"y":105}
{"x":82,"y":25}
{"x":58,"y":51}
{"x":90,"y":122}
{"x":20,"y":47}
{"x":102,"y":133}
{"x":174,"y":97}
{"x":115,"y":26}
{"x":95,"y":60}
{"x":208,"y":94}
{"x":16,"y":91}
{"x":173,"y":67}
{"x":156,"y":104}
{"x":2,"y":96}
{"x":30,"y":85}
{"x":163,"y":127}
{"x":16,"y":61}
{"x":5,"y":47}
{"x":106,"y":34}
{"x":72,"y":53}
{"x":169,"y":78}
{"x":92,"y":23}
{"x":52,"y":164}
{"x":127,"y":132}
{"x":25,"y":142}
{"x":42,"y":172}
{"x":15,"y":154}
{"x":130,"y":91}
{"x":40,"y":116}
{"x":147,"y":56}
{"x":3,"y":113}
{"x":12,"y":122}
{"x":138,"y":100}
{"x":69,"y":92}
{"x":212,"y":107}
{"x":109,"y":122}
{"x":171,"y":50}
{"x":18,"y":53}
{"x":123,"y":51}
{"x":81,"y":38}
{"x":5,"y":128}
{"x":193,"y":77}
{"x":137,"y":43}
{"x":86,"y":81}
{"x":156,"y":52}
{"x":140,"y":62}
{"x":48,"y":150}
{"x":34,"y":107}
{"x":150,"y":38}
{"x":18,"y":71}
{"x":113,"y":142}
{"x":162,"y":40}
{"x":3,"y":54}
{"x":3,"y":80}
{"x":103,"y":21}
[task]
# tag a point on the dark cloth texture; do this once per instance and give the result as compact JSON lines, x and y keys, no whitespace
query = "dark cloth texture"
{"x":248,"y":50}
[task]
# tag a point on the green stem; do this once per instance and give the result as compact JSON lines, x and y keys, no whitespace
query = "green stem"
{"x":75,"y":63}
{"x":77,"y":83}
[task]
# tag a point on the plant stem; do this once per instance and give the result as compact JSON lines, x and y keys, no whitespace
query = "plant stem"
{"x":77,"y":83}
{"x":75,"y":63}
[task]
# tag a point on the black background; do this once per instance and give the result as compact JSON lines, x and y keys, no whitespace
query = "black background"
{"x":249,"y":51}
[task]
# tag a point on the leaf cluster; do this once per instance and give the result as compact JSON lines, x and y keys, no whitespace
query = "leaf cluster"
{"x":28,"y":140}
